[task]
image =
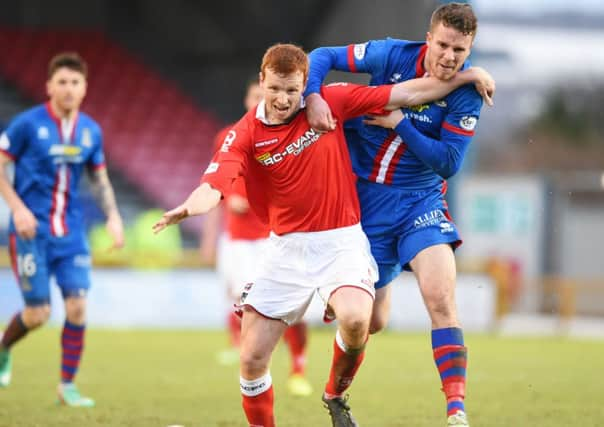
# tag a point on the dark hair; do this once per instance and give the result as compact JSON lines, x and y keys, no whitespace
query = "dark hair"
{"x":459,"y":16}
{"x":71,"y":60}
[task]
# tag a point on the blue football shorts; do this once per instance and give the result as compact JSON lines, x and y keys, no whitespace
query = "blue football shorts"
{"x":35,"y":261}
{"x":400,"y":224}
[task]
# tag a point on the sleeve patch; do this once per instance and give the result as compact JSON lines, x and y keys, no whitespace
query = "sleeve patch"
{"x":359,"y":50}
{"x":212,"y":167}
{"x":468,"y":122}
{"x":4,"y":142}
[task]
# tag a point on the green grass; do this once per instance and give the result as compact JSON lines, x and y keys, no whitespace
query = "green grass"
{"x":160,"y":378}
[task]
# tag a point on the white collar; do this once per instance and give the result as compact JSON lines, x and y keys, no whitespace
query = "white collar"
{"x":261,"y":110}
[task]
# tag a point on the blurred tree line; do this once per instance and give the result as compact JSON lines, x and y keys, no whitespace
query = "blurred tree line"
{"x":568,"y":134}
{"x":574,"y":116}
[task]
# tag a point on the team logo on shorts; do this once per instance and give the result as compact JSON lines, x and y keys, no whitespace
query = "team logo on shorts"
{"x":367,"y":281}
{"x":246,"y":290}
{"x":445,"y":227}
{"x":429,"y":218}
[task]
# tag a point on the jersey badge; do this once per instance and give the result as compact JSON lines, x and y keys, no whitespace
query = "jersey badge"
{"x":86,"y":138}
{"x":43,"y":132}
{"x":396,"y":77}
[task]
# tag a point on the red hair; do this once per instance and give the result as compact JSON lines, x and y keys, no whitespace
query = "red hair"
{"x":285,"y":59}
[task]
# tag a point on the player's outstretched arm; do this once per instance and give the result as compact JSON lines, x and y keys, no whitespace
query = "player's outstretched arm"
{"x":24,"y":220}
{"x":426,"y":89}
{"x":102,"y":191}
{"x":201,"y":200}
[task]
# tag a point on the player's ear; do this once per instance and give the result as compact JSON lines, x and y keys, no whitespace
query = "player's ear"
{"x":261,"y":78}
{"x":85,"y":85}
{"x":48,"y":88}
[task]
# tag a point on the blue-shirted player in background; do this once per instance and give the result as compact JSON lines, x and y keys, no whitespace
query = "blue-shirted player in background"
{"x":51,"y":145}
{"x":402,"y":167}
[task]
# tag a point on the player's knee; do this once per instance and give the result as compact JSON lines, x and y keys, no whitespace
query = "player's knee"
{"x":254,"y":362}
{"x":75,"y":310}
{"x":353,"y":323}
{"x":378,"y":323}
{"x":36,"y":316}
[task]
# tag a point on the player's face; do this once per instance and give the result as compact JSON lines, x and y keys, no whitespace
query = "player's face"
{"x":253,"y":96}
{"x":66,"y":89}
{"x":447,"y":51}
{"x":282,"y":94}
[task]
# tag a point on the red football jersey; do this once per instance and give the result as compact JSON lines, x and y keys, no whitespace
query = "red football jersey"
{"x":297,"y":179}
{"x":247,"y":225}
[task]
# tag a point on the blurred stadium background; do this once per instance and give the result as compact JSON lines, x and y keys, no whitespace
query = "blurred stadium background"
{"x":165,"y":76}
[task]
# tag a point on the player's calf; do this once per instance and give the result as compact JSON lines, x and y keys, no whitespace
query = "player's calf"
{"x":450,"y":356}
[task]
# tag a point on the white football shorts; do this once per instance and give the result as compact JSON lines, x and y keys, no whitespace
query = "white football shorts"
{"x":239,"y":262}
{"x":296,"y":265}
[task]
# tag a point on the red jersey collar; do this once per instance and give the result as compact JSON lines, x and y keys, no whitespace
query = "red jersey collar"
{"x":420,"y":70}
{"x":57,"y":121}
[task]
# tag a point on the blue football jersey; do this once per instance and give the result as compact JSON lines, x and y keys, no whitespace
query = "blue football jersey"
{"x":48,"y":165}
{"x":430,"y":143}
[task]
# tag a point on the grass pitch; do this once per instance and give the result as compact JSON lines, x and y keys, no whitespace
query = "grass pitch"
{"x":161,"y":378}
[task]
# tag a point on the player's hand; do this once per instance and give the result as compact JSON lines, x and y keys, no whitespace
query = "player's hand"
{"x":319,"y":114}
{"x":238,"y":204}
{"x":389,"y":121}
{"x":25,"y":223}
{"x":485,"y":84}
{"x":115,"y":228}
{"x":174,"y":216}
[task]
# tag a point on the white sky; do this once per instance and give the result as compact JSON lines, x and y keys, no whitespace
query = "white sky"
{"x":535,"y":7}
{"x":542,"y":55}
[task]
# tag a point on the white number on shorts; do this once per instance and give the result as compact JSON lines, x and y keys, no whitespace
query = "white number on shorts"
{"x":26,"y":265}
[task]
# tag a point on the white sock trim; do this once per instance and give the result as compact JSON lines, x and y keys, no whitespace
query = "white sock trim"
{"x":340,"y":342}
{"x":255,"y":387}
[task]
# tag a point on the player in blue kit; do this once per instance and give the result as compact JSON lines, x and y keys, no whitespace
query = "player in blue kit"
{"x":402,"y":167}
{"x":51,"y":145}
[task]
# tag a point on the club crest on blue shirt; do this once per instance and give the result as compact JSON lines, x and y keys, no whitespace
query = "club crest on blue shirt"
{"x":86,"y":138}
{"x":396,"y":77}
{"x":43,"y":132}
